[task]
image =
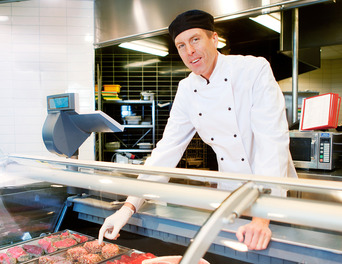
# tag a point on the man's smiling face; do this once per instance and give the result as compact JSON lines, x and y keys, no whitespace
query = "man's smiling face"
{"x":198,"y":50}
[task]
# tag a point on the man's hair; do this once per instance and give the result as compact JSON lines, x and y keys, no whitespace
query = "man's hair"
{"x":209,"y":33}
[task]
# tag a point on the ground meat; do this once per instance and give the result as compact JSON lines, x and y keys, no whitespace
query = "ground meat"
{"x":18,"y":253}
{"x":89,"y":259}
{"x":64,"y":261}
{"x":109,"y":250}
{"x":67,"y":242}
{"x":93,"y":246}
{"x":50,"y":259}
{"x":75,"y":253}
{"x":34,"y":250}
{"x":5,"y":259}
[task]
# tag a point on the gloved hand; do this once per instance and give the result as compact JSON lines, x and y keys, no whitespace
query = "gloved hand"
{"x":113,"y":224}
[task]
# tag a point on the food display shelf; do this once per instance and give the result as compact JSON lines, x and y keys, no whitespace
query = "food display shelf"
{"x":35,"y":241}
{"x":32,"y":251}
{"x":304,"y":230}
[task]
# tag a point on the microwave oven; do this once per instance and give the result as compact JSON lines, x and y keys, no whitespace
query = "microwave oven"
{"x":316,"y":149}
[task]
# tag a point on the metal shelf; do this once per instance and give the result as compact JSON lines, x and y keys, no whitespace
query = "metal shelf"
{"x":130,"y":101}
{"x":138,"y":126}
{"x":146,"y":129}
{"x":130,"y":150}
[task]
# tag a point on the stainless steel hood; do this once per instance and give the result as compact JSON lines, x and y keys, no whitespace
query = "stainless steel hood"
{"x":117,"y":21}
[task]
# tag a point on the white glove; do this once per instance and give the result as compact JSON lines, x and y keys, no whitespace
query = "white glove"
{"x":113,"y":224}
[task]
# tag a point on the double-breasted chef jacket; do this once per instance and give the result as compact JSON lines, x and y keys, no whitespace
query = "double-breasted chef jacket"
{"x":240,"y":113}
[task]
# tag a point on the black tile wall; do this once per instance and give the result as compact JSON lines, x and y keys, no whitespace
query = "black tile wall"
{"x":137,"y":72}
{"x":141,"y":72}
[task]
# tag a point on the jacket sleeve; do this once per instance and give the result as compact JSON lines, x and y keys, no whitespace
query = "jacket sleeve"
{"x":177,"y":134}
{"x":270,"y":127}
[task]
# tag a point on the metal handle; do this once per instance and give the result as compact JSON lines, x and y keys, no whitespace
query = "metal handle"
{"x":313,"y":148}
{"x":233,"y":206}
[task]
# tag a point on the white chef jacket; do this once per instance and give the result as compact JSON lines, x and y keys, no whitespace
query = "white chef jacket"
{"x":240,"y":113}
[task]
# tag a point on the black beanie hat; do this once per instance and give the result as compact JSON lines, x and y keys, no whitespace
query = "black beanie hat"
{"x":191,"y":19}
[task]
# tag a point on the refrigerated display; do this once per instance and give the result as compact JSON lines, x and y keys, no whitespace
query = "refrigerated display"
{"x":203,"y":220}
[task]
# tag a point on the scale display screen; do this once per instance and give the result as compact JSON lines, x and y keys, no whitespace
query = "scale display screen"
{"x":61,"y":102}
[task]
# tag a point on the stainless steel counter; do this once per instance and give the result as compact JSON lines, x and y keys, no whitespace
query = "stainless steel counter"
{"x":334,"y":175}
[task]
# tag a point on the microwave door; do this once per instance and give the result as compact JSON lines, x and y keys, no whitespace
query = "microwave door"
{"x":304,"y":152}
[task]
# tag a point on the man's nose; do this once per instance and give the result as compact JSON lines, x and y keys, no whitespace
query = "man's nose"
{"x":190,"y":49}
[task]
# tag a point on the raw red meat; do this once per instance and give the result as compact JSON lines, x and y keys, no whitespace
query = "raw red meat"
{"x":135,"y":258}
{"x":5,"y":259}
{"x":53,"y":238}
{"x":46,"y":245}
{"x":18,"y":253}
{"x":65,"y":234}
{"x":79,"y":238}
{"x":76,"y":252}
{"x":34,"y":250}
{"x":109,"y":250}
{"x":67,"y":242}
{"x":93,"y":246}
{"x":89,"y":259}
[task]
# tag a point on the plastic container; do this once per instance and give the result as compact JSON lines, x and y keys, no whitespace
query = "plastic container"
{"x":112,"y":88}
{"x":132,"y":120}
{"x":112,"y":145}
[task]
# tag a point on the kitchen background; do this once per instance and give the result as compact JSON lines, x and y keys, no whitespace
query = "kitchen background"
{"x":46,"y":47}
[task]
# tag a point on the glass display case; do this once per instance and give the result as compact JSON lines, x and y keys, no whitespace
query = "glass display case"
{"x":201,"y":219}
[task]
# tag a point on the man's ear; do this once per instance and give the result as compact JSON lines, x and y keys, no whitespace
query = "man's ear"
{"x":215,"y":39}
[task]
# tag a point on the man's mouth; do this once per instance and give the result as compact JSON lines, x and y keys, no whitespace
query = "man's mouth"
{"x":194,"y":61}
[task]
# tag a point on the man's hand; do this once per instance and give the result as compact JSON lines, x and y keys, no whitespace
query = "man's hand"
{"x":255,"y":235}
{"x":113,"y":224}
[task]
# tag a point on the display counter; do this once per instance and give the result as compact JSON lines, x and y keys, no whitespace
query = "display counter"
{"x":326,"y":175}
{"x":304,"y":230}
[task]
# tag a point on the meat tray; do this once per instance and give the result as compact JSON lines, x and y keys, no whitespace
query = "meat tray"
{"x":132,"y":256}
{"x":30,"y":250}
{"x":62,"y":256}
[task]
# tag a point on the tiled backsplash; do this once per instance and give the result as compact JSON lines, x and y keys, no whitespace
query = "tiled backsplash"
{"x":46,"y":47}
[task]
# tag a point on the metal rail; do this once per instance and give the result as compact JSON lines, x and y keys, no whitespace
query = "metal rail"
{"x":315,"y":186}
{"x":117,"y":178}
{"x":232,"y":207}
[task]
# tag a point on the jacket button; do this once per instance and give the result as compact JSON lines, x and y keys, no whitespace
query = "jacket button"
{"x":195,"y":91}
{"x":225,"y":79}
{"x":242,"y":159}
{"x":235,"y":135}
{"x":200,"y":114}
{"x":212,"y":139}
{"x":222,"y":158}
{"x":229,"y":108}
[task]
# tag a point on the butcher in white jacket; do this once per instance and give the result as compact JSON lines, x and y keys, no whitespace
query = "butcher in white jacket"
{"x":236,"y":107}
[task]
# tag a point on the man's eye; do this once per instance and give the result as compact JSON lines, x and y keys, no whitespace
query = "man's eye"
{"x":195,"y":39}
{"x":180,"y":46}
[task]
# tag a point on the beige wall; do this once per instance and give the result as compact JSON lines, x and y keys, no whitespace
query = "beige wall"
{"x":327,"y":79}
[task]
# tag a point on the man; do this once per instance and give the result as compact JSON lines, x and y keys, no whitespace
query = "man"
{"x":236,"y":107}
